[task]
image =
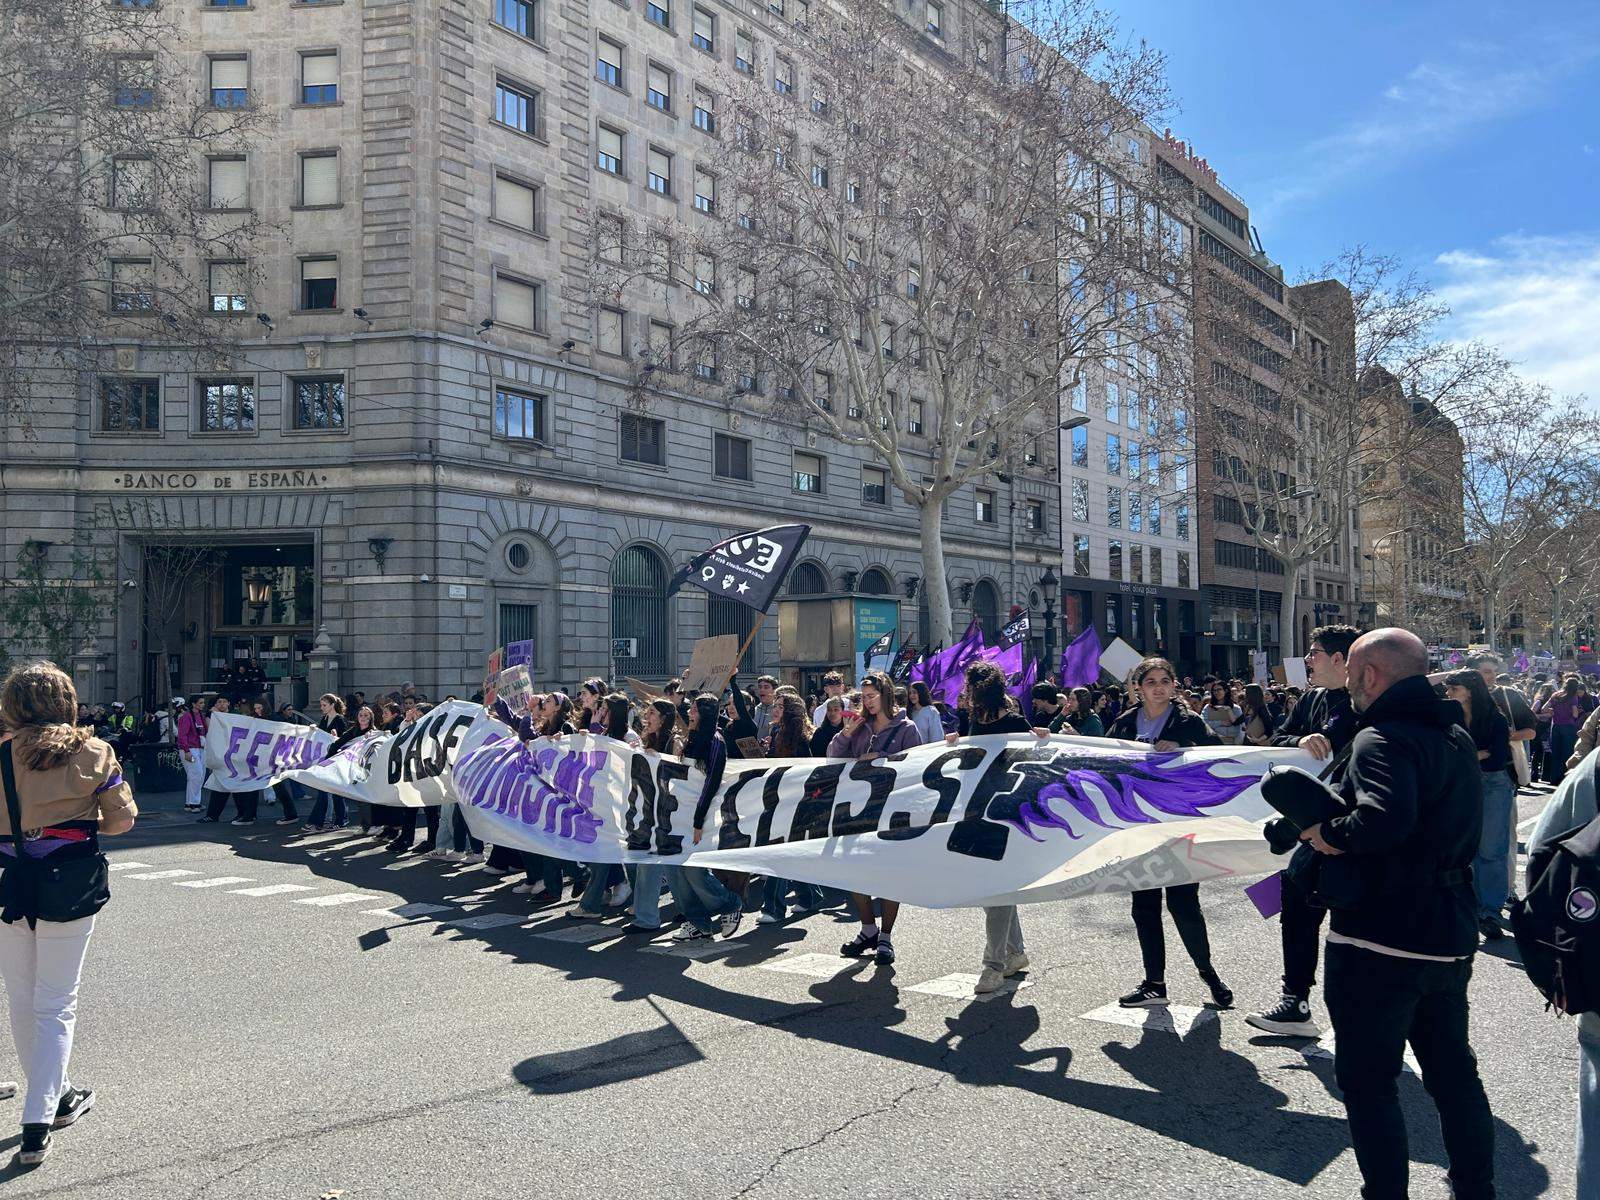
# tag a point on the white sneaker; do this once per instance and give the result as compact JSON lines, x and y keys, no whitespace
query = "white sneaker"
{"x":495,"y":870}
{"x":583,"y":914}
{"x":767,"y":918}
{"x":990,"y":981}
{"x":472,"y":857}
{"x":438,"y":855}
{"x":1017,"y":962}
{"x":619,"y":894}
{"x":688,"y":933}
{"x":529,"y":889}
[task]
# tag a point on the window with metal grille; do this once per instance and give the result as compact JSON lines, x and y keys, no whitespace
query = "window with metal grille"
{"x":130,"y":405}
{"x":639,"y":610}
{"x":319,"y":402}
{"x":728,"y":616}
{"x":874,"y":485}
{"x":643,"y":439}
{"x":519,"y":623}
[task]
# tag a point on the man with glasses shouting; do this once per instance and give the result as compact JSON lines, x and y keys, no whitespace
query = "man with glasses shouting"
{"x":1322,"y":724}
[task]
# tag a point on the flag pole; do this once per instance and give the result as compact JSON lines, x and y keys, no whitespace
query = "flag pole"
{"x":749,"y":637}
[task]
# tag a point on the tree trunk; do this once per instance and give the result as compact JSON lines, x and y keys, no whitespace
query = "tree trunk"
{"x":1287,"y":629}
{"x":1490,"y":616}
{"x":934,"y":580}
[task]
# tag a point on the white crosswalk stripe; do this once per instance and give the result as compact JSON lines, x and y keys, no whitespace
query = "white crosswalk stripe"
{"x":340,"y":898}
{"x":818,"y":966}
{"x":580,"y":934}
{"x":272,"y":889}
{"x":174,"y":873}
{"x":126,"y":866}
{"x":960,"y":985}
{"x":486,"y":920}
{"x":1173,"y":1018}
{"x":219,"y":881}
{"x":406,"y":911}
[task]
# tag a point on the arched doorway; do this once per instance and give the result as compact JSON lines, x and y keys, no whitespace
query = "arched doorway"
{"x":807,"y":579}
{"x":986,"y":609}
{"x":875,"y":582}
{"x":639,"y":610}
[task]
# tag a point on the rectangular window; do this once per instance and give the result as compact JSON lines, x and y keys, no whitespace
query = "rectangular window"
{"x":1113,"y":402}
{"x":983,"y":506}
{"x":819,"y":173}
{"x":1080,"y":555}
{"x":807,"y":473}
{"x":659,"y":12}
{"x":134,"y":84}
{"x":227,"y":405}
{"x":519,"y":623}
{"x":515,"y":203}
{"x":705,"y":29}
{"x":705,"y":191}
{"x":608,"y":62}
{"x":1080,"y":500}
{"x":1135,"y":511}
{"x":915,"y":417}
{"x":519,"y":415}
{"x":1156,"y":555}
{"x":319,"y":180}
{"x":744,"y":288}
{"x":515,"y":107}
{"x":782,"y":76}
{"x":935,"y":24}
{"x":705,"y":274}
{"x":319,"y":78}
{"x":319,"y":402}
{"x":1114,"y":507}
{"x":230,"y":82}
{"x":516,"y":302}
{"x":705,"y":110}
{"x":133,"y":183}
{"x":1080,"y":396}
{"x":519,"y":16}
{"x":744,"y":53}
{"x":1183,"y":568}
{"x":609,"y":326}
{"x":1080,"y":447}
{"x":1115,"y":546}
{"x":608,"y":150}
{"x":822,"y":389}
{"x":130,"y":405}
{"x":1155,"y":516}
{"x":1113,"y":454}
{"x":658,"y":87}
{"x":1036,"y":516}
{"x":732,"y":457}
{"x":227,"y":183}
{"x":661,"y":337}
{"x":226,"y":287}
{"x":874,"y":485}
{"x":319,"y":283}
{"x":705,"y":360}
{"x":658,"y":172}
{"x":1181,"y":519}
{"x":132,"y":285}
{"x":1136,"y":564}
{"x":643,"y":440}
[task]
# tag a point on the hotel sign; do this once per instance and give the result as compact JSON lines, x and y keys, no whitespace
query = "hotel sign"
{"x":265,"y":479}
{"x":1185,"y":151}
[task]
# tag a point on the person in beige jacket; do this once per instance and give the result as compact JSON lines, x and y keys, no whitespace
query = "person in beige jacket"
{"x":70,"y":790}
{"x":1587,"y":736}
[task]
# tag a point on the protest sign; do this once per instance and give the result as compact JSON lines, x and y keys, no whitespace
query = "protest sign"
{"x":1119,"y":659}
{"x":643,"y":691}
{"x":1294,"y":672}
{"x":1258,"y":667}
{"x":711,"y":662}
{"x":515,"y":687}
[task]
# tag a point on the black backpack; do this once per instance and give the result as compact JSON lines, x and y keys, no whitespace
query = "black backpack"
{"x":1557,"y":923}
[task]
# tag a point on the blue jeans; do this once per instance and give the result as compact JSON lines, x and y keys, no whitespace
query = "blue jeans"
{"x":700,"y":896}
{"x":1490,"y":873}
{"x":646,"y":881}
{"x":319,"y":810}
{"x":1588,"y":1149}
{"x":601,"y":877}
{"x":453,"y":833}
{"x":775,"y":896}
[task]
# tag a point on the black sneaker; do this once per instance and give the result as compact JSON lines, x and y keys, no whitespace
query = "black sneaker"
{"x":205,"y":820}
{"x":73,"y":1104}
{"x":861,"y":944}
{"x":1490,"y":928}
{"x":1291,"y":1018}
{"x":730,"y":921}
{"x":1221,"y":994}
{"x":35,"y":1147}
{"x":884,"y":954}
{"x":1146,"y":995}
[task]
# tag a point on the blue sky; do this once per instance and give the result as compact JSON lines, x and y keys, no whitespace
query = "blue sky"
{"x":1463,"y":137}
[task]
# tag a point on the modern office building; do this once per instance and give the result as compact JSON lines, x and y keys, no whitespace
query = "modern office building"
{"x":425,"y":441}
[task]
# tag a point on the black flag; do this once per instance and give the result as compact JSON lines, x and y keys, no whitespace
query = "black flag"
{"x":903,"y":662}
{"x":1014,"y":632}
{"x":748,"y":567}
{"x":878,"y":649}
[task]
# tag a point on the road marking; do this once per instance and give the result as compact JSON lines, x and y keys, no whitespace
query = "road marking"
{"x":697,"y":949}
{"x":487,"y":920}
{"x":339,"y":898}
{"x":1529,"y":824}
{"x":274,"y":889}
{"x":1325,"y":1047}
{"x":960,"y":987}
{"x":406,"y":911}
{"x":1173,"y":1018}
{"x":172,"y":874}
{"x":127,"y":866}
{"x":581,"y":934}
{"x":818,"y":966}
{"x":219,"y":881}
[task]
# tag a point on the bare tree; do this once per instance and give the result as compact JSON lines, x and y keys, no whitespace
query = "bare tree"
{"x":121,"y":185}
{"x":919,"y":255}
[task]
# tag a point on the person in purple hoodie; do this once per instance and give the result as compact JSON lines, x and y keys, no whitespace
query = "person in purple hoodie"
{"x":878,"y":729}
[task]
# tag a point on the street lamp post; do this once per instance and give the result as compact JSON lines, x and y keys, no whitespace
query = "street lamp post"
{"x":1048,"y":582}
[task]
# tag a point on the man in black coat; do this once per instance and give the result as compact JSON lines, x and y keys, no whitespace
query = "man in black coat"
{"x":1321,"y":724}
{"x":1395,"y":870}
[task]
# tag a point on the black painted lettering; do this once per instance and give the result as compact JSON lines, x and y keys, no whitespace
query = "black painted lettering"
{"x":638,"y":818}
{"x":769,"y":805}
{"x":668,"y":772}
{"x":814,"y":813}
{"x":729,"y":835}
{"x":933,"y":777}
{"x":880,"y":779}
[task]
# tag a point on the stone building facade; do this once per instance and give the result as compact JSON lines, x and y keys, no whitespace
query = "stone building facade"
{"x":421,"y":446}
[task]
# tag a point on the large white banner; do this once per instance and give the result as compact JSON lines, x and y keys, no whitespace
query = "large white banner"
{"x":990,"y":820}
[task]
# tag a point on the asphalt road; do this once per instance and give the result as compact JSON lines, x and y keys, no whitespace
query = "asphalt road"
{"x":299,"y":1042}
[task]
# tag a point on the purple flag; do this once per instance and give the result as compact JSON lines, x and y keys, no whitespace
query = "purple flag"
{"x":1455,"y":659}
{"x":1521,"y":664}
{"x":1009,"y":658}
{"x":1023,"y":688}
{"x":943,"y":672}
{"x":1080,"y":661}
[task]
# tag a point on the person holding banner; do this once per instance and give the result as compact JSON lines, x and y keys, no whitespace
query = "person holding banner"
{"x":877,"y":730}
{"x":1160,"y":721}
{"x":608,"y":883}
{"x":700,"y":896}
{"x":790,"y":738}
{"x":333,"y":722}
{"x":191,"y":748}
{"x":658,"y":735}
{"x":591,"y":706}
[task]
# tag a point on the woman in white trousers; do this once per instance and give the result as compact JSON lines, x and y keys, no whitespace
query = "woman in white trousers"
{"x":192,"y":749}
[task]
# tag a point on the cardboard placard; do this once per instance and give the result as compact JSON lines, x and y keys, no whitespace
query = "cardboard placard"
{"x":711,"y":662}
{"x":1258,"y":667}
{"x":1294,"y":672}
{"x":643,"y":690}
{"x":1119,"y":658}
{"x":515,"y":686}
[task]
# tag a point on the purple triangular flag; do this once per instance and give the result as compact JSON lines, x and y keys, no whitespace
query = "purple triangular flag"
{"x":1080,"y":662}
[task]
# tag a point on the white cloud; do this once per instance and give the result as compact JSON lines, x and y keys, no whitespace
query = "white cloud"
{"x":1536,"y":300}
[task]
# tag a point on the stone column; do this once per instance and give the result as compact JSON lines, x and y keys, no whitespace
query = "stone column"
{"x":322,"y":666}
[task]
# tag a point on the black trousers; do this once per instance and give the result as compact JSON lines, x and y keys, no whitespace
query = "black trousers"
{"x":1300,"y":927}
{"x":245,"y":802}
{"x":284,"y":791}
{"x":1183,"y":902}
{"x":1378,"y":1003}
{"x":407,"y":823}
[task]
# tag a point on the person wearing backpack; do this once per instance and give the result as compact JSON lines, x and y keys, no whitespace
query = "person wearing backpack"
{"x":1571,"y":807}
{"x":1395,"y":872}
{"x":62,"y":789}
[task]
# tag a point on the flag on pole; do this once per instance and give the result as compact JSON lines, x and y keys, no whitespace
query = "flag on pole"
{"x":903,"y":661}
{"x":1023,"y":688}
{"x":1521,"y":664}
{"x":1015,"y":631}
{"x":881,"y":648}
{"x":1080,"y":661}
{"x":748,"y":567}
